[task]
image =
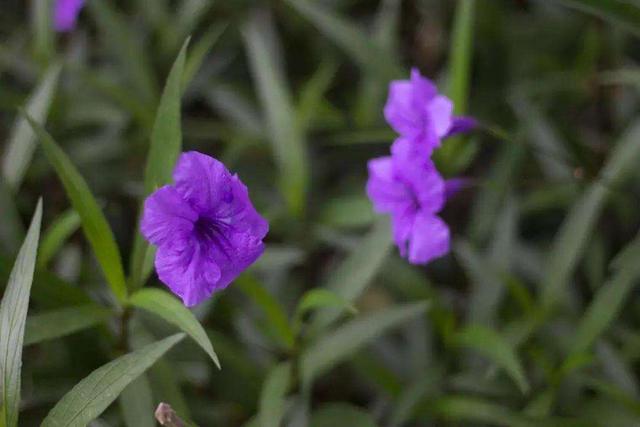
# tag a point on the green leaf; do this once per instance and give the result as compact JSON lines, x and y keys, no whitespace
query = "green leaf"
{"x":621,"y":12}
{"x":91,"y":396}
{"x":349,"y":338}
{"x":610,"y":298}
{"x":126,"y":48}
{"x":351,"y":277}
{"x":42,"y":28}
{"x":136,"y":404}
{"x":578,"y":226}
{"x":287,"y":141}
{"x":471,"y":409}
{"x":94,"y":224}
{"x":490,"y":344}
{"x":341,"y":414}
{"x":13,"y":315}
{"x":200,"y":51}
{"x":22,"y":141}
{"x":61,"y":322}
{"x":275,"y":313}
{"x":318,"y":298}
{"x":272,"y":397}
{"x":55,"y":236}
{"x":165,"y":147}
{"x":170,"y":309}
{"x":353,"y":40}
{"x":461,"y":53}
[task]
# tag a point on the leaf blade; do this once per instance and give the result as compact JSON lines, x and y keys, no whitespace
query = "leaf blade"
{"x":13,"y":314}
{"x":91,"y":396}
{"x":162,"y":304}
{"x":65,"y":321}
{"x":94,"y":224}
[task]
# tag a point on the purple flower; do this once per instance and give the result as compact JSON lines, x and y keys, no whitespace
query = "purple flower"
{"x":66,"y":14}
{"x":412,"y":191}
{"x":418,"y":112}
{"x":205,"y":227}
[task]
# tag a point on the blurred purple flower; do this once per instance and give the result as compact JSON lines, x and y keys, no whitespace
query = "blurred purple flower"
{"x":66,"y":14}
{"x":461,"y":124}
{"x":205,"y":227}
{"x":412,"y":191}
{"x":418,"y":112}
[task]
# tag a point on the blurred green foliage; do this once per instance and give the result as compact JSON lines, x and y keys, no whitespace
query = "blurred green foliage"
{"x":531,"y":321}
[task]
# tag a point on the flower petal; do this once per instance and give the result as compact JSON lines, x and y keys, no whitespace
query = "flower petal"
{"x":399,"y":110}
{"x":166,"y":216}
{"x":66,"y":14}
{"x":429,"y":239}
{"x":387,"y":194}
{"x":440,"y":114}
{"x":188,"y":269}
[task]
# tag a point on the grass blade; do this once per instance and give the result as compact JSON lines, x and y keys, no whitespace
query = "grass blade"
{"x":13,"y":315}
{"x":350,"y":337}
{"x":22,"y":142}
{"x":170,"y":309}
{"x":341,"y":414}
{"x":619,"y":12}
{"x":487,"y":342}
{"x":62,"y":322}
{"x":351,"y":278}
{"x":136,"y":404}
{"x":578,"y":225}
{"x":272,"y":397}
{"x":55,"y":236}
{"x":461,"y":53}
{"x":94,"y":224}
{"x":165,"y":147}
{"x":287,"y":140}
{"x":609,"y":299}
{"x":91,"y":396}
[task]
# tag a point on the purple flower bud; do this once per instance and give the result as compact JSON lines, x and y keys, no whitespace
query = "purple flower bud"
{"x":66,"y":14}
{"x":205,"y":227}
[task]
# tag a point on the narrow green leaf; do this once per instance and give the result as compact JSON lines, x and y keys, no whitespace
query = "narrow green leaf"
{"x":22,"y":141}
{"x":621,"y":12}
{"x":170,"y":309}
{"x":350,"y":337}
{"x":165,"y":147}
{"x":351,"y":277}
{"x":490,"y":344}
{"x":55,"y":236}
{"x":94,"y":224}
{"x":272,"y":397}
{"x":578,"y":225}
{"x":61,"y":322}
{"x":609,"y":299}
{"x":91,"y":396}
{"x":341,"y":414}
{"x":319,"y":298}
{"x":13,"y":315}
{"x":200,"y":51}
{"x":287,"y":141}
{"x":166,"y":136}
{"x":275,"y":313}
{"x":461,"y":53}
{"x":42,"y":30}
{"x":312,"y":94}
{"x":353,"y":40}
{"x":471,"y":409}
{"x":136,"y":404}
{"x":126,"y":48}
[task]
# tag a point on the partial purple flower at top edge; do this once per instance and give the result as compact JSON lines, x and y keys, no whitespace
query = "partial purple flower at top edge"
{"x":412,"y":192}
{"x":65,"y":14}
{"x":418,"y":112}
{"x":205,"y":227}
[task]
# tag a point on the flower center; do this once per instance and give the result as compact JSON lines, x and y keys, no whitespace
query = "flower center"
{"x":212,"y":234}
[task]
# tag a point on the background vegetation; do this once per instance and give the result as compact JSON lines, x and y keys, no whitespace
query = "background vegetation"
{"x":531,"y":321}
